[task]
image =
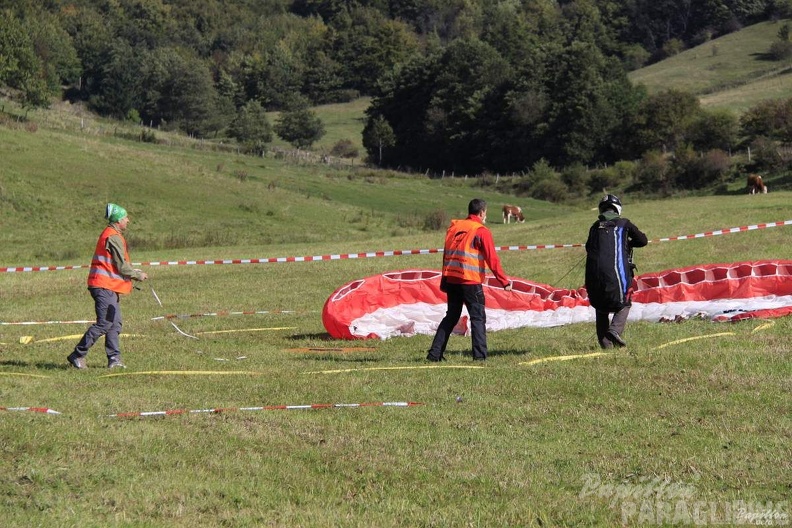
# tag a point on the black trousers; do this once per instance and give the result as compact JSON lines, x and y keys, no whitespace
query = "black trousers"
{"x":472,"y":297}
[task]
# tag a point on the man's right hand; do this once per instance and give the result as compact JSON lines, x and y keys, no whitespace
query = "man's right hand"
{"x":509,"y":286}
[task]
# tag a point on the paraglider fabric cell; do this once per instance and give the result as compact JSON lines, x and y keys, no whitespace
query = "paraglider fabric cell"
{"x":409,"y":302}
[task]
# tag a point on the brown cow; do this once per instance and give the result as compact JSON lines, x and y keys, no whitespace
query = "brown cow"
{"x":756,"y":185}
{"x":512,"y":211}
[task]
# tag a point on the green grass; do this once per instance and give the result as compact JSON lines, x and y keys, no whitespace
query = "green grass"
{"x":751,"y":94}
{"x":711,"y":416}
{"x":732,"y":71}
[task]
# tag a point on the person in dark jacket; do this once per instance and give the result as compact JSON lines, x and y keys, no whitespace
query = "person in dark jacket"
{"x":609,"y":269}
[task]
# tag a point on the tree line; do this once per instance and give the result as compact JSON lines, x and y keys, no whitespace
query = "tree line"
{"x":469,"y":86}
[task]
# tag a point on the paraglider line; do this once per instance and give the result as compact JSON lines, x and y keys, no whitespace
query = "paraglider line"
{"x":245,"y":330}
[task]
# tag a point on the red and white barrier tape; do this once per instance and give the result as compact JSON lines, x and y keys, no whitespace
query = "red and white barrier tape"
{"x":31,"y":409}
{"x":44,"y":322}
{"x":264,"y":408}
{"x":375,"y":254}
{"x":725,"y":231}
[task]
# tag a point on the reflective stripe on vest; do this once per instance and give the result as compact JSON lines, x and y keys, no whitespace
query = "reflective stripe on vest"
{"x":460,"y":259}
{"x":103,"y":274}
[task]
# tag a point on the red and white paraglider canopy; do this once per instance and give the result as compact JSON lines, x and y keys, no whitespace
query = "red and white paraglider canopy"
{"x":409,"y":302}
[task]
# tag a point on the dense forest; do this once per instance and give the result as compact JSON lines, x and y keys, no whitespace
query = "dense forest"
{"x":461,"y":86}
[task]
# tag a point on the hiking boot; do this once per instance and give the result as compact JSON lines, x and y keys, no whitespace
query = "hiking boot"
{"x":115,"y":362}
{"x":76,"y":361}
{"x":616,"y":338}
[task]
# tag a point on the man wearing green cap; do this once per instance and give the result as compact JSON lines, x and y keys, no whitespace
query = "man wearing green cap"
{"x":111,"y":276}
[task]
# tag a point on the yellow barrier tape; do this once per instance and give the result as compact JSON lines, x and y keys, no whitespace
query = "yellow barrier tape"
{"x":564,"y":358}
{"x":395,"y":368}
{"x":763,"y":327}
{"x":678,"y":341}
{"x":184,"y":373}
{"x":69,"y":337}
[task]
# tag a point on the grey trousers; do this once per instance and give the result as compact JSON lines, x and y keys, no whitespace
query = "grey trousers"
{"x":108,"y":323}
{"x":616,"y":325}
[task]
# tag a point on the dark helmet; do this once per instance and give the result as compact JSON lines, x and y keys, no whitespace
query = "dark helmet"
{"x":610,"y":201}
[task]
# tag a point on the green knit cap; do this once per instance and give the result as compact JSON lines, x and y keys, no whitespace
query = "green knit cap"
{"x":114,"y":213}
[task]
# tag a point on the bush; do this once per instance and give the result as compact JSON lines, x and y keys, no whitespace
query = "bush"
{"x":765,"y":155}
{"x":602,"y":180}
{"x":653,"y":174}
{"x":780,"y":50}
{"x":436,"y":220}
{"x":714,"y":129}
{"x":576,"y":178}
{"x":540,"y":171}
{"x":635,"y":56}
{"x":673,"y":47}
{"x":768,"y":118}
{"x":133,"y":116}
{"x":552,"y":190}
{"x":694,"y":171}
{"x":344,"y":148}
{"x":147,"y":136}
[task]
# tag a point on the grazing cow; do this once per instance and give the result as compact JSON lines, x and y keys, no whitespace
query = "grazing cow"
{"x":512,"y":211}
{"x":756,"y":185}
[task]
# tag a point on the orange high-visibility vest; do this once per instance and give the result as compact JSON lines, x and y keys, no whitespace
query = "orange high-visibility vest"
{"x":460,"y":259}
{"x":103,"y":273}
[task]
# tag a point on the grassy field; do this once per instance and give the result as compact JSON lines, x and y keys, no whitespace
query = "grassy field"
{"x":732,"y":71}
{"x":668,"y":429}
{"x":342,"y":121}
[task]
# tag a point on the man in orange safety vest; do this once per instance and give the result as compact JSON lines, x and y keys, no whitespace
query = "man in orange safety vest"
{"x":110,"y":276}
{"x":468,"y":247}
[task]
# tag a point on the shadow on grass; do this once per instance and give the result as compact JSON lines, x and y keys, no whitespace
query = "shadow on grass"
{"x":322,"y":336}
{"x":41,"y":366}
{"x":346,"y":358}
{"x":13,"y":363}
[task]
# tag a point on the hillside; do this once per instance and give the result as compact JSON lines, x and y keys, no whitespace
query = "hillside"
{"x":181,"y":198}
{"x":732,"y":71}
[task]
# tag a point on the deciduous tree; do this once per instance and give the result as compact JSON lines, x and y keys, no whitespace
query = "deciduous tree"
{"x":377,"y":136}
{"x":299,"y":125}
